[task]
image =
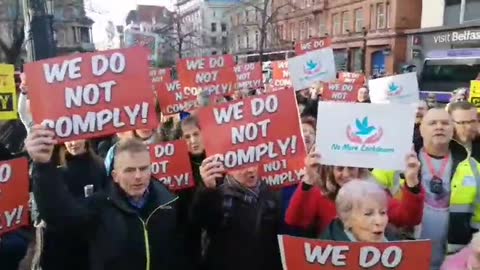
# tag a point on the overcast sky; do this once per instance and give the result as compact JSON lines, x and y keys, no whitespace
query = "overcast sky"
{"x":101,"y":11}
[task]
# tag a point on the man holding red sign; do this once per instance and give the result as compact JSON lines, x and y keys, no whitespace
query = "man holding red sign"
{"x":132,"y":225}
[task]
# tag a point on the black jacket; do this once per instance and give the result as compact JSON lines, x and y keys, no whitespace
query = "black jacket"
{"x":119,"y":236}
{"x":66,"y":251}
{"x":242,"y":227}
{"x":191,"y":231}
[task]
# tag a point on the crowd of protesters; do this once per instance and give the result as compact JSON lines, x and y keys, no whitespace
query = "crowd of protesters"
{"x":95,"y":205}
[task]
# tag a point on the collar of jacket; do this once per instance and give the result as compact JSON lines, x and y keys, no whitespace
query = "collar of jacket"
{"x":157,"y":195}
{"x":235,"y":189}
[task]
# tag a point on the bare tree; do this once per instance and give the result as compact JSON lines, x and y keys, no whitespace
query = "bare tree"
{"x":268,"y":17}
{"x":178,"y":36}
{"x":12,"y":41}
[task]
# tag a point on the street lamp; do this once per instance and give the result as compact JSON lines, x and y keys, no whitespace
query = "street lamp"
{"x":364,"y":49}
{"x":39,"y":18}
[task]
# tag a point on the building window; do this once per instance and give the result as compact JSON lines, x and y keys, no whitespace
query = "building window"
{"x":358,"y":20}
{"x":214,"y":52}
{"x":293,"y":32}
{"x":257,"y":39}
{"x":247,"y":40}
{"x":224,"y":41}
{"x":357,"y":60}
{"x":239,"y":44}
{"x":380,"y":16}
{"x":345,"y":22}
{"x":309,"y":29}
{"x":389,"y":14}
{"x":214,"y":27}
{"x":281,"y":32}
{"x":336,"y":24}
{"x":239,"y":20}
{"x":302,"y":30}
{"x":372,"y":17}
{"x":246,"y":16}
{"x":322,"y":27}
{"x":224,"y":27}
{"x":472,"y":10}
{"x":213,"y":41}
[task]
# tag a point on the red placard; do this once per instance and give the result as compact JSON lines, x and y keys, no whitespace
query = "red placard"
{"x":311,"y":254}
{"x":283,"y":172}
{"x":280,"y":74}
{"x":312,"y":44}
{"x":171,"y":164}
{"x":174,"y":99}
{"x":338,"y":91}
{"x":214,"y":74}
{"x":14,"y":196}
{"x":350,"y":77}
{"x":249,"y":75}
{"x":253,"y":131}
{"x":160,"y":76}
{"x":93,"y":94}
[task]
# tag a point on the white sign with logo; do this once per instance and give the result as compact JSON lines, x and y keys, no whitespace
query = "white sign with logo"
{"x":365,"y":135}
{"x":401,"y":88}
{"x":311,"y":67}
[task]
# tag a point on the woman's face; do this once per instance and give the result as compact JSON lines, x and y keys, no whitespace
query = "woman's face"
{"x":193,"y":137}
{"x":76,"y":147}
{"x":308,"y":136}
{"x":362,"y":94}
{"x":369,"y":220}
{"x":144,"y":133}
{"x":343,"y":175}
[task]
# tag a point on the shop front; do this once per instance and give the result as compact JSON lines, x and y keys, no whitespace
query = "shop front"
{"x":446,"y":58}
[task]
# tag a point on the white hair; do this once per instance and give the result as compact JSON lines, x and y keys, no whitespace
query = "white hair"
{"x":352,"y":195}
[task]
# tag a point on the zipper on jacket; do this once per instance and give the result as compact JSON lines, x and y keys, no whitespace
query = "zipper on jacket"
{"x":145,"y":231}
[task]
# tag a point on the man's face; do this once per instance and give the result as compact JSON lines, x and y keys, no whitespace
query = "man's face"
{"x":436,"y":127}
{"x":466,"y":124}
{"x":248,"y":177}
{"x":132,"y":172}
{"x":193,"y":137}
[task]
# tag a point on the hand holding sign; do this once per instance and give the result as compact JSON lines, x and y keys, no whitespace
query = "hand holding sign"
{"x":412,"y":169}
{"x":40,"y":144}
{"x":211,"y":170}
{"x":312,"y":167}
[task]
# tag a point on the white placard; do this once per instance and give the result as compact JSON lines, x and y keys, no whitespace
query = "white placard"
{"x":311,"y":67}
{"x":401,"y":88}
{"x":365,"y":135}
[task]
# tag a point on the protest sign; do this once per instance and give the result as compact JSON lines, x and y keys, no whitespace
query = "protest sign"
{"x":350,"y":77}
{"x":93,"y":94}
{"x":8,"y":96}
{"x":249,"y":75}
{"x":312,"y":44}
{"x":253,"y":131}
{"x":312,"y":254}
{"x":213,"y":74}
{"x":474,"y":96}
{"x":14,"y":194}
{"x":338,"y":91}
{"x":160,"y":76}
{"x":401,"y":88}
{"x":283,"y":173}
{"x":171,"y":164}
{"x":312,"y":67}
{"x":174,"y":99}
{"x":364,"y":135}
{"x":280,"y":74}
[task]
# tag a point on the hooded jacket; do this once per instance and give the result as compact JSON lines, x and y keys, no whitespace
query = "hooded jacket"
{"x":119,"y":235}
{"x":242,"y":225}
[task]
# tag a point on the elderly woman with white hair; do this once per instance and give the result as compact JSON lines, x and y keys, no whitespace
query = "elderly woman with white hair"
{"x":362,"y":207}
